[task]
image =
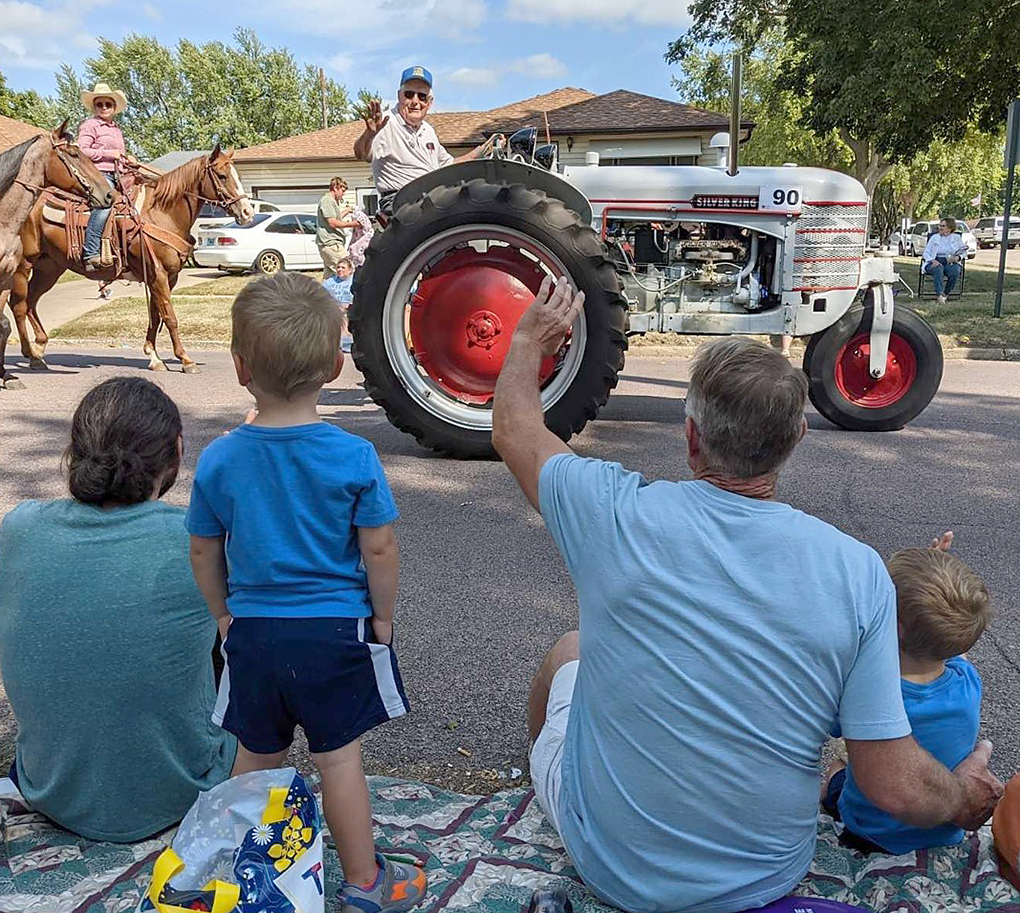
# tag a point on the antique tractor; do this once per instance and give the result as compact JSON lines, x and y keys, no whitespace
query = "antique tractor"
{"x":693,"y":250}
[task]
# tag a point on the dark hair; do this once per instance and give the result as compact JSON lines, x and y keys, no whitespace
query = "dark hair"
{"x":123,"y":437}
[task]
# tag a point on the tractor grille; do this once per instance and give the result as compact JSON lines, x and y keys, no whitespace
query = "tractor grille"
{"x":829,"y":246}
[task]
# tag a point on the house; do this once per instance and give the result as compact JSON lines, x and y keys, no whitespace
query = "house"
{"x":14,"y":131}
{"x":625,"y":128}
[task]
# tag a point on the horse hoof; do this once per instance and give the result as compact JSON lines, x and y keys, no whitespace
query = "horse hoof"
{"x":11,"y":383}
{"x":38,"y":364}
{"x":157,"y":366}
{"x":191,"y":368}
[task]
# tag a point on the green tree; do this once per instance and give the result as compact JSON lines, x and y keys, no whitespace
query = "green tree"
{"x":888,"y":77}
{"x":191,"y":95}
{"x":28,"y":106}
{"x":779,"y":136}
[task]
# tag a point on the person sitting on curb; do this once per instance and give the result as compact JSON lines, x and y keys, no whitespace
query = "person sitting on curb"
{"x":676,"y":735}
{"x":942,"y":610}
{"x":105,"y":645}
{"x":941,"y":258}
{"x":405,"y":147}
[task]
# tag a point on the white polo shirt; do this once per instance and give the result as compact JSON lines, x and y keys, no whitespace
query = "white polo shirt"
{"x":401,"y":153}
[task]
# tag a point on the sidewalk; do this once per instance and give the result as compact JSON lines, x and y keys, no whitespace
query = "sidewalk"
{"x":68,"y":300}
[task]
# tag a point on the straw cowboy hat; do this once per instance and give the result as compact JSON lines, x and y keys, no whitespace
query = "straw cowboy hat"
{"x":102,"y":90}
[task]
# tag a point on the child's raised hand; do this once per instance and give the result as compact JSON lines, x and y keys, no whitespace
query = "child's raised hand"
{"x":943,"y":542}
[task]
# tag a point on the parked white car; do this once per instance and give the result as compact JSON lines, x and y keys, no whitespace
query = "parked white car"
{"x":269,"y":243}
{"x":989,"y":231}
{"x":916,"y":239}
{"x":212,"y":215}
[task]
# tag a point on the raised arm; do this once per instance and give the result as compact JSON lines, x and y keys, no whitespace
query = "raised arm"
{"x":374,"y":122}
{"x":519,"y":433}
{"x":904,"y":780}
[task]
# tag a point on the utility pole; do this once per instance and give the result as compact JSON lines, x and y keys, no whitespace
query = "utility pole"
{"x":322,"y":93}
{"x":1012,"y":157}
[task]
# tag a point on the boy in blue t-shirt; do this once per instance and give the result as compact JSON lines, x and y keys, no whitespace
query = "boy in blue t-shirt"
{"x":292,"y":546}
{"x":339,"y":286}
{"x":942,"y":610}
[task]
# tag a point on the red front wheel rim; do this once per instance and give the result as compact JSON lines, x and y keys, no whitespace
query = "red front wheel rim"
{"x":853,"y":376}
{"x":463,"y":314}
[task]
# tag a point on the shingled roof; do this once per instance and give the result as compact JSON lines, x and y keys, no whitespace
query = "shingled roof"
{"x":454,"y":128}
{"x":14,"y":131}
{"x":629,"y":112}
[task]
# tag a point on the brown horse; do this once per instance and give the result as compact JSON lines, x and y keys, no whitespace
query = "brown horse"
{"x":158,"y":244}
{"x":47,"y":160}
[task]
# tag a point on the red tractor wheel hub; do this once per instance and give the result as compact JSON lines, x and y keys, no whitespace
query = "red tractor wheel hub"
{"x":463,"y":315}
{"x":853,"y":375}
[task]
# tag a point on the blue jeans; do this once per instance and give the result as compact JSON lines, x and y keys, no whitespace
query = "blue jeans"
{"x":943,"y":274}
{"x":94,"y":230}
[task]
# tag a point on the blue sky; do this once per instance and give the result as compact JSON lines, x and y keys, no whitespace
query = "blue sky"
{"x":483,"y":53}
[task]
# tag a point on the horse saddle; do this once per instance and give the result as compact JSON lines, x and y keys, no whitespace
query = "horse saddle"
{"x":123,"y":227}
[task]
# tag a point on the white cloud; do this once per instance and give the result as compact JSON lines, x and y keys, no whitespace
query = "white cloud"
{"x":644,"y":12}
{"x":474,"y":76}
{"x":35,"y":37}
{"x":152,"y":12}
{"x":341,"y":63}
{"x":539,"y":66}
{"x":380,"y":24}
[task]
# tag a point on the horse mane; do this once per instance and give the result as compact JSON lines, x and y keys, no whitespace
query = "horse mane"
{"x":10,"y":163}
{"x":170,"y":187}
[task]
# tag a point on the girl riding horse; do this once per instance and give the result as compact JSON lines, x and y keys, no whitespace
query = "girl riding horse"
{"x":158,"y":244}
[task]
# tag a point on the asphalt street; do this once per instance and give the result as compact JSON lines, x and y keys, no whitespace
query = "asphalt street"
{"x":483,"y":590}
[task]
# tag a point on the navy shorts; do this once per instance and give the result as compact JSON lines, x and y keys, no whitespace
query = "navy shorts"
{"x":329,"y":675}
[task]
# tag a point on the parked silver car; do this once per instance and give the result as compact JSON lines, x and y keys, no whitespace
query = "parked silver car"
{"x":988,"y":231}
{"x":916,"y":239}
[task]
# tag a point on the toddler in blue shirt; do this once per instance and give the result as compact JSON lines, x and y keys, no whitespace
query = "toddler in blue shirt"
{"x":292,"y":545}
{"x":942,"y":610}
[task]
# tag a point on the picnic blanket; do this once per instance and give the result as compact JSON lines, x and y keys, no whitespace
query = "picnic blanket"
{"x":482,"y":853}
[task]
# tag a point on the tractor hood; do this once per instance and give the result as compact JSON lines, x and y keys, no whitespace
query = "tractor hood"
{"x":690,"y":188}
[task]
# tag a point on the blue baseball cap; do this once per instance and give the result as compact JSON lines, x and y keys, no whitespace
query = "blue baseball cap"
{"x":416,"y":73}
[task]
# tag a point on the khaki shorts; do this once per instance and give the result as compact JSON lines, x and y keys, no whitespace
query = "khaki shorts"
{"x":331,"y":255}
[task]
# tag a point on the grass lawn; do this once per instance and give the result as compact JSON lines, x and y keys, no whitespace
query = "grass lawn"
{"x":204,"y":314}
{"x":228,"y":285}
{"x":204,"y":321}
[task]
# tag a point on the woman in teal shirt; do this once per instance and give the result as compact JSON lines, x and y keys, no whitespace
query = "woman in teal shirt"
{"x":104,"y":639}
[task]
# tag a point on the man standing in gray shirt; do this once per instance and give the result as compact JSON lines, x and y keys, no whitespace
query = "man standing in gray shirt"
{"x":330,"y":225}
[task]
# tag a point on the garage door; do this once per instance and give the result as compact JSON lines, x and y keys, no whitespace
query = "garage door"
{"x":293,"y":198}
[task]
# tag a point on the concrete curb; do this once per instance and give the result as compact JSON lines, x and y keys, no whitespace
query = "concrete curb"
{"x":959,"y":353}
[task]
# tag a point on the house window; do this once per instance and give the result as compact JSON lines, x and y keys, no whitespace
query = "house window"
{"x":653,"y":160}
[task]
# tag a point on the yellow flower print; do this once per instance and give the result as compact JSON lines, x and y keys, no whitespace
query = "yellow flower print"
{"x":293,"y":842}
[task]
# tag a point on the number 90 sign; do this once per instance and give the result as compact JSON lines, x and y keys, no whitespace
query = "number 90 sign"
{"x":781,"y":198}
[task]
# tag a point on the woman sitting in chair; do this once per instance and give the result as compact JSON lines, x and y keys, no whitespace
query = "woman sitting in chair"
{"x":101,"y":140}
{"x":942,"y":256}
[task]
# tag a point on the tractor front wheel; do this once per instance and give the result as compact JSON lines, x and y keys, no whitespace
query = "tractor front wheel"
{"x":440,"y":293}
{"x":841,"y":387}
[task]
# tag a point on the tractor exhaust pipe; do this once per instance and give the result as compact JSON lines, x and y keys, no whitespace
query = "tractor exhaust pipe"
{"x":731,"y":167}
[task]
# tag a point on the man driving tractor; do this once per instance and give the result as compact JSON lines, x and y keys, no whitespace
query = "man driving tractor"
{"x":405,"y":147}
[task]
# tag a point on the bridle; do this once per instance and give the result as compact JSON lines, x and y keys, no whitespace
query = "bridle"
{"x":219,"y":188}
{"x":72,"y":171}
{"x":69,"y":166}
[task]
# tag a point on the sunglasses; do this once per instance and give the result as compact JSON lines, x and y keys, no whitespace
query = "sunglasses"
{"x":106,"y":104}
{"x":410,"y":94}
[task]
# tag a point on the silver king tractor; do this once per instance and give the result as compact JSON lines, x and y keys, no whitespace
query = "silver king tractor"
{"x":684,"y":249}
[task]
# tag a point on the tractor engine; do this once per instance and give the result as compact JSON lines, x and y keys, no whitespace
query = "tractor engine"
{"x":693,"y":266}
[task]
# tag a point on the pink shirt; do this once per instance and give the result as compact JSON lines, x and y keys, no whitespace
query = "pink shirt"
{"x":101,"y":141}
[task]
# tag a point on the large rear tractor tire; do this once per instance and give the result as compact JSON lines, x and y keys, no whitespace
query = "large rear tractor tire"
{"x":440,"y":293}
{"x":841,"y":387}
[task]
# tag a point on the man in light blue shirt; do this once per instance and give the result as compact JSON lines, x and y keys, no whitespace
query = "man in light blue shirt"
{"x":722,"y":635}
{"x":942,"y":256}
